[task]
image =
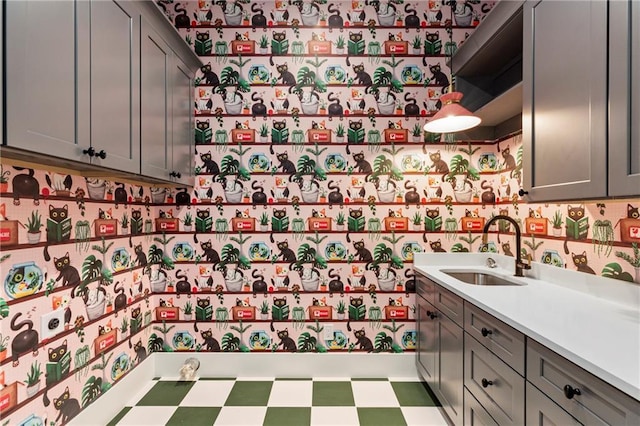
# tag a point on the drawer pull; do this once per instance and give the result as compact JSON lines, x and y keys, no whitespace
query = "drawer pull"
{"x":432,"y":315}
{"x":485,"y":332}
{"x":570,"y":391}
{"x":486,"y":383}
{"x":91,"y":152}
{"x":175,"y":174}
{"x":102,"y":154}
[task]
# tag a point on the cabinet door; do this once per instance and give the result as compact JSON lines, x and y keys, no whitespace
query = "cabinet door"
{"x":182,"y":122}
{"x":564,"y":113}
{"x":115,"y":84}
{"x":542,"y":411}
{"x":155,"y":104}
{"x":427,"y":341}
{"x":41,"y":77}
{"x":450,"y":385}
{"x":624,"y":98}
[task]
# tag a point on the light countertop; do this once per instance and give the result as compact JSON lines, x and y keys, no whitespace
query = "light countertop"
{"x":592,"y":321}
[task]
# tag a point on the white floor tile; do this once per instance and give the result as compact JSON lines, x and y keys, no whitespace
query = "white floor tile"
{"x":291,"y":393}
{"x":208,"y":393}
{"x":423,"y":416}
{"x":147,"y":415}
{"x":405,"y":379}
{"x":334,"y":416}
{"x":374,"y":394}
{"x":241,"y":416}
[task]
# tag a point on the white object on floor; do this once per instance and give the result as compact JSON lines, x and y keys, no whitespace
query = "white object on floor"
{"x":189,"y":369}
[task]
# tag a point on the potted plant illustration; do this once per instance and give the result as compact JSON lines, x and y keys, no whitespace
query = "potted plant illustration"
{"x":384,"y":176}
{"x":263,"y":44}
{"x":460,"y":175}
{"x":188,"y":311}
{"x":232,"y":263}
{"x":187,"y":221}
{"x":310,"y":262}
{"x":232,"y":85}
{"x":340,"y":45}
{"x":94,"y":269}
{"x":264,"y":133}
{"x":264,"y":222}
{"x":158,"y":264}
{"x":387,"y":80}
{"x":634,"y":260}
{"x":462,"y":11}
{"x":34,"y":223}
{"x":264,"y":310}
{"x":309,"y":85}
{"x":556,"y":222}
{"x":4,"y":341}
{"x":416,"y":133}
{"x":417,"y":221}
{"x":124,"y":224}
{"x":340,"y":219}
{"x":340,"y":309}
{"x":124,"y":328}
{"x":385,"y":261}
{"x":231,"y":176}
{"x":4,"y":179}
{"x":416,"y":45}
{"x":308,"y":174}
{"x":33,"y":379}
{"x":340,"y":132}
{"x":232,"y":11}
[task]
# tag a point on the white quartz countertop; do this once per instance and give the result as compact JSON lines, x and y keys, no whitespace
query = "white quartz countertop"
{"x":592,"y":321}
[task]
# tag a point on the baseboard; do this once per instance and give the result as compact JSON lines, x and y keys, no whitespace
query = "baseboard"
{"x":258,"y":365}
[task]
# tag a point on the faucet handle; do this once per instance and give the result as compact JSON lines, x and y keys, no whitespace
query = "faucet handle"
{"x":491,"y":263}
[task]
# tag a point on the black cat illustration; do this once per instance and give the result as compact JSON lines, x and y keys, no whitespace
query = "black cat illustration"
{"x":258,"y":197}
{"x":580,"y":261}
{"x":258,"y":108}
{"x":362,"y":252}
{"x":362,"y":77}
{"x":286,"y":342}
{"x":120,"y":301}
{"x":362,"y":165}
{"x":210,"y":255}
{"x":57,"y":215}
{"x":67,"y":273}
{"x":284,"y":75}
{"x":411,"y":19}
{"x":210,"y":343}
{"x":335,"y":196}
{"x":438,"y":165}
{"x":210,"y":166}
{"x":120,"y":194}
{"x":286,"y":254}
{"x":182,"y":285}
{"x":258,"y":20}
{"x":25,"y":185}
{"x":181,"y":18}
{"x":411,"y":107}
{"x":335,"y":20}
{"x":25,"y":341}
{"x":411,"y":196}
{"x":141,"y":352}
{"x":487,"y":197}
{"x":286,"y":165}
{"x":210,"y":78}
{"x":259,"y":285}
{"x":436,"y":246}
{"x":334,"y":109}
{"x":68,"y":407}
{"x":335,"y":284}
{"x":438,"y":77}
{"x":363,"y":342}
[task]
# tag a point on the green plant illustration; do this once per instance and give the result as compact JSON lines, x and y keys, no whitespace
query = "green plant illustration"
{"x":33,"y":376}
{"x":614,"y":270}
{"x":34,"y":222}
{"x":317,"y":328}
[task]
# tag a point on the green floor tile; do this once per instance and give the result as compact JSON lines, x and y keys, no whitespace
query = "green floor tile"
{"x":287,"y":416}
{"x":381,"y":417}
{"x":332,"y":394}
{"x":166,"y":393}
{"x":119,"y":417}
{"x":369,"y":379}
{"x":249,"y":394}
{"x":194,"y":416}
{"x":414,"y":394}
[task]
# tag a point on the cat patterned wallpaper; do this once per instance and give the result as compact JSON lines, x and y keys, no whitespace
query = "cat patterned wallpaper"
{"x":315,"y":186}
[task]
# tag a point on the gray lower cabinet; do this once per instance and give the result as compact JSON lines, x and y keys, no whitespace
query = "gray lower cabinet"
{"x":542,"y":411}
{"x":440,"y":353}
{"x":498,"y":388}
{"x":474,"y":413}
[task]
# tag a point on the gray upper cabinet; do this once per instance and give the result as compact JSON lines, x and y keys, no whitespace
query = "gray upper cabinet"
{"x":116,"y":91}
{"x":564,"y":99}
{"x":155,"y":70}
{"x":41,"y":105}
{"x":624,"y":98}
{"x":167,"y":68}
{"x":115,"y":84}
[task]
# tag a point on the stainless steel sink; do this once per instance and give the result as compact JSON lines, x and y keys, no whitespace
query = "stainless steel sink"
{"x":480,"y":278}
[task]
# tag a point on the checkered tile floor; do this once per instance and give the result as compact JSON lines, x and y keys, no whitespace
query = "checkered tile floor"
{"x":282,"y":402}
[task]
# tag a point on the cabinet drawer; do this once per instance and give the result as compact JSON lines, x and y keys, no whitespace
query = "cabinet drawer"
{"x":450,"y":304}
{"x":597,"y":402}
{"x":498,"y":337}
{"x":426,"y":288}
{"x":541,"y":411}
{"x":495,"y":385}
{"x":474,"y":413}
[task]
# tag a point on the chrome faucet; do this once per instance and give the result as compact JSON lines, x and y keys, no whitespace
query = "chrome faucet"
{"x":520,"y":264}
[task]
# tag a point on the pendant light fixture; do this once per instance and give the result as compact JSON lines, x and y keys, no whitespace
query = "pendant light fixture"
{"x":452,"y":117}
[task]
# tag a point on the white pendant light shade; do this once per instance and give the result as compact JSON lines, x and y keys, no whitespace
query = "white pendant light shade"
{"x":452,"y":117}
